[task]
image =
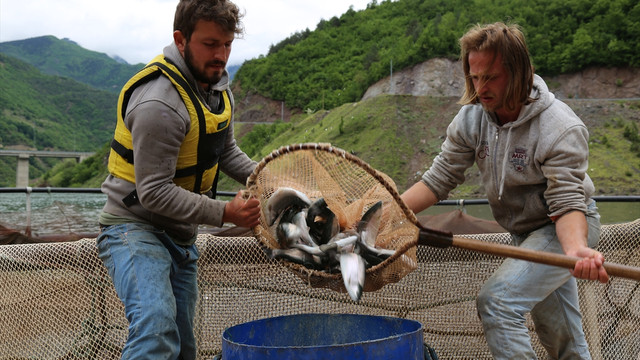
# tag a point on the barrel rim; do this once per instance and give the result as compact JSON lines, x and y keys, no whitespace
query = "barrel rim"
{"x":417,"y":327}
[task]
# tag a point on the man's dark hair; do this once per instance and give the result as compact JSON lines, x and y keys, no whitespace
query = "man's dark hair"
{"x":222,"y":12}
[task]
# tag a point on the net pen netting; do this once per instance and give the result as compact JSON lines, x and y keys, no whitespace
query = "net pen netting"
{"x":57,"y":300}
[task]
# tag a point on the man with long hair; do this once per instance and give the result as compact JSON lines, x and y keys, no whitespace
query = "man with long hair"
{"x":174,"y":133}
{"x":532,"y":153}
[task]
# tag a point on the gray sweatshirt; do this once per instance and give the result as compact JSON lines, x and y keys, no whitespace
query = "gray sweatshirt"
{"x":158,"y":120}
{"x":533,"y":169}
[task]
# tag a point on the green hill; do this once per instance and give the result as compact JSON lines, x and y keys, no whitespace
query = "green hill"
{"x":337,"y":62}
{"x":67,"y":59}
{"x":49,"y":112}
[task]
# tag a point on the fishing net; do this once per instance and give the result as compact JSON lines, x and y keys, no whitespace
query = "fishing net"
{"x":57,"y":300}
{"x":350,"y":187}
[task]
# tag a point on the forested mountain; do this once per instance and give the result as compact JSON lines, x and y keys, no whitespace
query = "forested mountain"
{"x":338,"y":61}
{"x":51,"y":112}
{"x":67,"y":59}
{"x":43,"y":112}
{"x":57,"y":95}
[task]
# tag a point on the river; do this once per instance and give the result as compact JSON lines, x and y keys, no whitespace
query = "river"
{"x":64,"y":213}
{"x":52,"y":213}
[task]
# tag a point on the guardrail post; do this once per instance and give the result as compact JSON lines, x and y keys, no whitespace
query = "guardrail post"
{"x":28,"y":203}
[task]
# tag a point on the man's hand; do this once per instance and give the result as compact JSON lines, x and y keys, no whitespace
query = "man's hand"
{"x":242,"y":212}
{"x":590,"y":266}
{"x":572,"y":232}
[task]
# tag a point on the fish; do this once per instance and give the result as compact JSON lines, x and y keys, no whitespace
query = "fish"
{"x":342,"y":256}
{"x":323,"y":223}
{"x":344,"y":241}
{"x":353,"y":268}
{"x":292,"y":228}
{"x":288,"y":208}
{"x":297,"y":256}
{"x":309,"y":234}
{"x":358,"y":252}
{"x":282,"y":199}
{"x":368,"y":228}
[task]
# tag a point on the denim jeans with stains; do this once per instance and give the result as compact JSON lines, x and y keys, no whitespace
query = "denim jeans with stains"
{"x":548,"y":292}
{"x":156,"y":280}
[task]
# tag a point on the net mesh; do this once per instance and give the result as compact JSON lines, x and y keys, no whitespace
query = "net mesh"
{"x":57,"y":300}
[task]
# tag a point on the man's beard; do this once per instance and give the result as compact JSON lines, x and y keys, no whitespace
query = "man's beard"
{"x":199,"y":75}
{"x":492,"y":107}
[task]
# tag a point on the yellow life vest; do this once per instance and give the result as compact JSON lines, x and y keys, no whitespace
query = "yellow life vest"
{"x":197,"y":165}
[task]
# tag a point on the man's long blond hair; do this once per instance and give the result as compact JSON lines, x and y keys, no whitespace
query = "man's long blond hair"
{"x":509,"y":41}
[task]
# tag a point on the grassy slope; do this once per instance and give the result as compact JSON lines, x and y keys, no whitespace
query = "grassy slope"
{"x":400,"y":135}
{"x":613,"y":166}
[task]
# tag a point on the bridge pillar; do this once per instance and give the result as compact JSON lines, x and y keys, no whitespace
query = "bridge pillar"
{"x":22,"y":173}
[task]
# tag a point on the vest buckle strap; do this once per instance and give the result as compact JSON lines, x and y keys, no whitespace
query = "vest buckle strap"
{"x":131,"y":199}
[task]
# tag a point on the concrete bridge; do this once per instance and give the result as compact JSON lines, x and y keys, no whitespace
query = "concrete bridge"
{"x":22,"y":172}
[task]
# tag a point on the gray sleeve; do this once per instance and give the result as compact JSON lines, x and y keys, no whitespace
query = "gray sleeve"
{"x":565,"y":168}
{"x":158,"y":129}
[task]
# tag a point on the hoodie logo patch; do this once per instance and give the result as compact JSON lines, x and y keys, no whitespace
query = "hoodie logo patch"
{"x":483,"y":150}
{"x":519,"y":159}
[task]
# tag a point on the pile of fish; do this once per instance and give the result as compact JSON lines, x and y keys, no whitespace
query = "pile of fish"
{"x":309,"y":234}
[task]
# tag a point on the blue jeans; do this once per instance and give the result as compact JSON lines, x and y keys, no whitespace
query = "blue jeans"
{"x":548,"y":292}
{"x":156,"y":281}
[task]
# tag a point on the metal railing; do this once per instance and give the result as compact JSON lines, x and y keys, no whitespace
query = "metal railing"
{"x":459,"y":202}
{"x":222,"y":194}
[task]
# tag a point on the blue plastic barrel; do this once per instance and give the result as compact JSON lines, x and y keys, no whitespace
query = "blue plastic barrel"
{"x":324,"y":336}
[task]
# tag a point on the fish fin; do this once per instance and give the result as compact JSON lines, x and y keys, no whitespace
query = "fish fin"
{"x":369,"y":225}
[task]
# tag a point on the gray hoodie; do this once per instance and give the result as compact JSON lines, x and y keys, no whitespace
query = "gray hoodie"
{"x":158,"y":120}
{"x":533,"y":169}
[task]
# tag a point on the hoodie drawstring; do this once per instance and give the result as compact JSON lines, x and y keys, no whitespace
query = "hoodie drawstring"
{"x":505,"y":163}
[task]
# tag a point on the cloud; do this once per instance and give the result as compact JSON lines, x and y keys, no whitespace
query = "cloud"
{"x":137,"y":30}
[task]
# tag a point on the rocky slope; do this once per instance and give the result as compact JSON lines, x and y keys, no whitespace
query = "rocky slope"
{"x":444,"y":78}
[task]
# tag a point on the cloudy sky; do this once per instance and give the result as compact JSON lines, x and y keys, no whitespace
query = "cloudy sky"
{"x":137,"y":30}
